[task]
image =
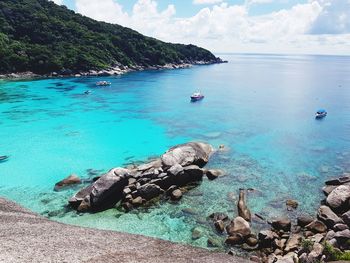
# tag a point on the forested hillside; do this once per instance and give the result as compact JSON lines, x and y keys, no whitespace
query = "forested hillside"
{"x":42,"y":37}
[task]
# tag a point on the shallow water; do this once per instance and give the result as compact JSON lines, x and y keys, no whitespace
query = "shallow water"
{"x":261,"y":107}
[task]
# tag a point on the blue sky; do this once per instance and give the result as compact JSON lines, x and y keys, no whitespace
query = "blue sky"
{"x":256,"y":26}
{"x":184,"y":8}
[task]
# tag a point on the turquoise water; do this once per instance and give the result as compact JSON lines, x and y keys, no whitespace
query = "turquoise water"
{"x":261,"y":107}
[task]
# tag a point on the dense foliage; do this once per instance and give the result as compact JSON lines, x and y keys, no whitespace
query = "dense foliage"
{"x":40,"y":36}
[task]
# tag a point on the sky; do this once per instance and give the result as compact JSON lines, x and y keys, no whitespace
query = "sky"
{"x":233,"y":26}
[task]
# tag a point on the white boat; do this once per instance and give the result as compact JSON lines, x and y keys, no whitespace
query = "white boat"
{"x":197,"y":96}
{"x":321,"y":114}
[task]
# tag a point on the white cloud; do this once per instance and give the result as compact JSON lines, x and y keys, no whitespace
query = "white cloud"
{"x":228,"y":28}
{"x":334,"y":18}
{"x":58,"y":2}
{"x":205,"y":2}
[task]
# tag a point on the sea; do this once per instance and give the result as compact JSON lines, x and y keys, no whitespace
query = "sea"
{"x":260,"y":107}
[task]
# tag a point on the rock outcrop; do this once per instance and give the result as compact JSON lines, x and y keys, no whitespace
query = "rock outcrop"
{"x":136,"y":185}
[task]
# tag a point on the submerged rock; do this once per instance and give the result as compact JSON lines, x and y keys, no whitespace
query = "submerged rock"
{"x":243,"y":210}
{"x":176,"y":195}
{"x":213,"y":174}
{"x":291,"y":204}
{"x":70,"y":180}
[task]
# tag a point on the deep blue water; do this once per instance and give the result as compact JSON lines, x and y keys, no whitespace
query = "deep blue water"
{"x":261,"y":107}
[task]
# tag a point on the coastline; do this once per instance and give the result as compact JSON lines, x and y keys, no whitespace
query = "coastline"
{"x":111,"y":71}
{"x":28,"y":237}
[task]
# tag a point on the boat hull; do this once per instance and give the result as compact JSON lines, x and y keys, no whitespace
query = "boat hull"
{"x":320,"y":116}
{"x":197,"y":98}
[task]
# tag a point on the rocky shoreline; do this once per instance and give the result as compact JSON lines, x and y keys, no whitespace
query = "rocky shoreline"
{"x":304,"y":239}
{"x":115,"y":70}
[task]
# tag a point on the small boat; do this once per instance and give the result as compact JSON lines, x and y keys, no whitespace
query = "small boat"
{"x":103,"y":83}
{"x":87,"y":92}
{"x":197,"y":96}
{"x":321,"y":114}
{"x":4,"y":158}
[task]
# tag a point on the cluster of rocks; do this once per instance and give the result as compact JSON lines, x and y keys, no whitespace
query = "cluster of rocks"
{"x":301,"y":241}
{"x":136,"y":185}
{"x":117,"y":69}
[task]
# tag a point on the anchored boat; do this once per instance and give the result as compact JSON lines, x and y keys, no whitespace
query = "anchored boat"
{"x":321,"y":113}
{"x":197,"y":96}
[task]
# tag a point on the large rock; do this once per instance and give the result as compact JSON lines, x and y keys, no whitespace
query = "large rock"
{"x":328,"y":189}
{"x":282,"y":224}
{"x":234,"y":239}
{"x":326,"y":215}
{"x":339,"y":198}
{"x":316,"y":253}
{"x":76,"y":199}
{"x":190,"y":174}
{"x":346,"y":218}
{"x":149,"y":191}
{"x":238,"y":225}
{"x":70,"y":180}
{"x":304,"y":220}
{"x":316,"y":226}
{"x":293,"y":242}
{"x":266,"y":238}
{"x":196,"y":153}
{"x":243,"y":210}
{"x":108,"y":190}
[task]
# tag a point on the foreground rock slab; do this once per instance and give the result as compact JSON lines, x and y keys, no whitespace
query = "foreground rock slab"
{"x":27,"y":237}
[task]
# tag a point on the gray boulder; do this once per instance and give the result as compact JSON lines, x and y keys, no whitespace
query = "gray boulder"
{"x":76,"y":199}
{"x":339,"y":198}
{"x":328,"y":189}
{"x":266,"y":238}
{"x":346,"y":218}
{"x":293,"y":242}
{"x":175,"y":170}
{"x":282,"y":224}
{"x":196,"y":153}
{"x":149,"y":191}
{"x":108,"y":190}
{"x":304,"y":220}
{"x":238,"y":225}
{"x":326,"y":215}
{"x":340,"y":227}
{"x":191,"y":173}
{"x":316,"y":226}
